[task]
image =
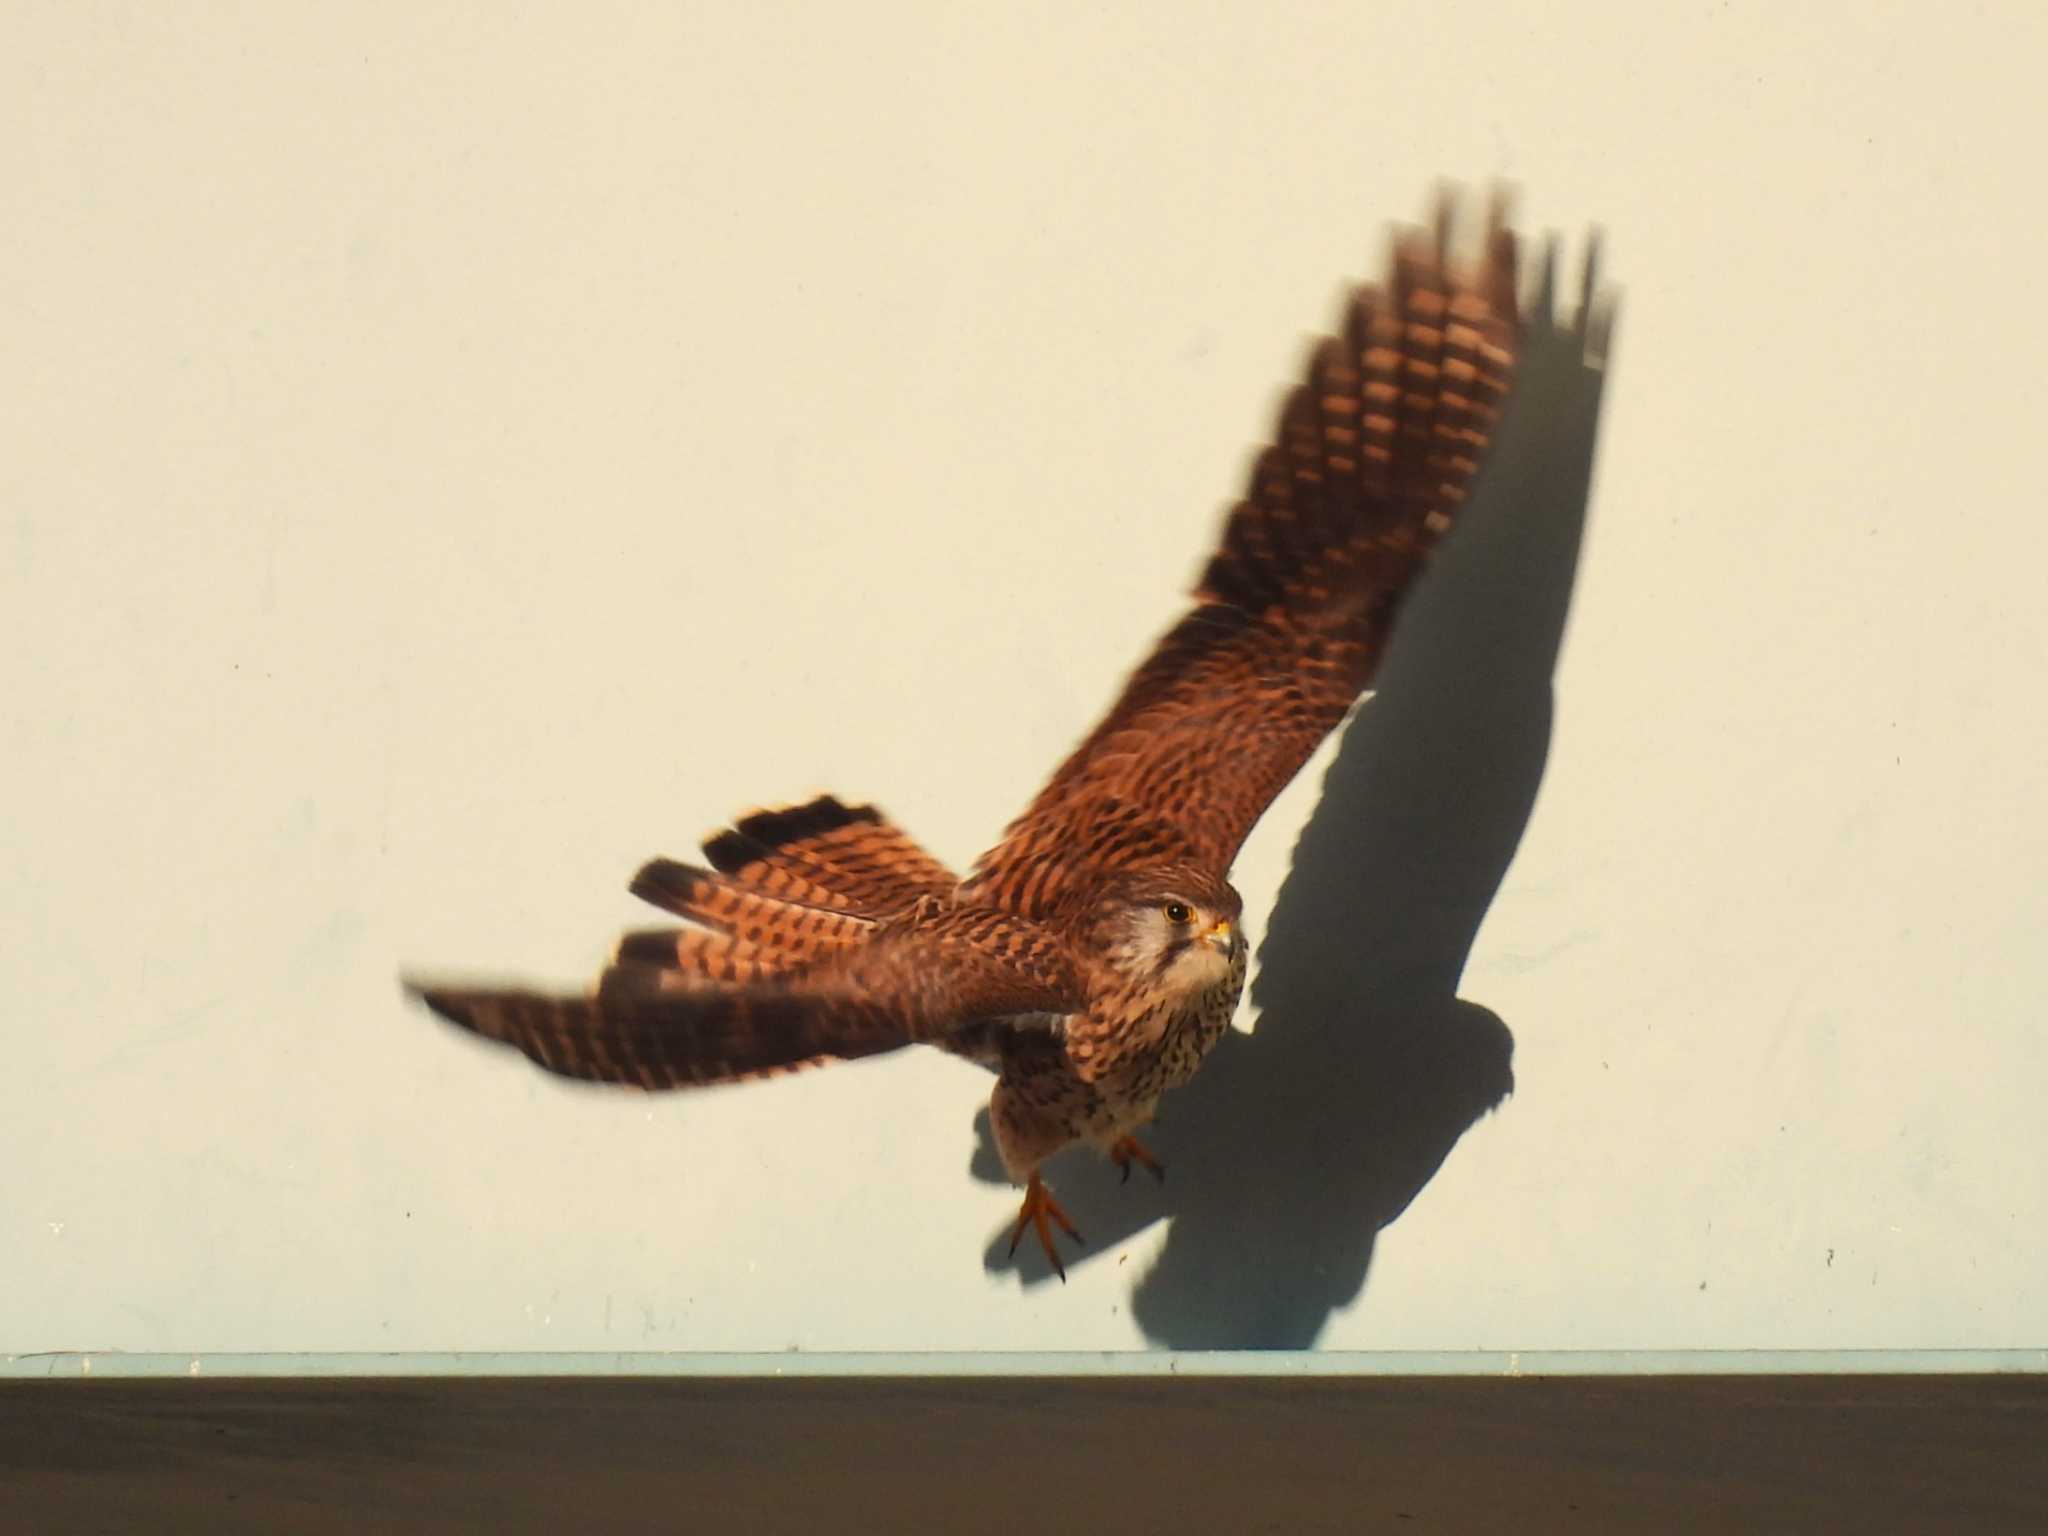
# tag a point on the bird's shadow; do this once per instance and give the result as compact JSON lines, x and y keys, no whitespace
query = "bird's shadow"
{"x":1296,"y":1144}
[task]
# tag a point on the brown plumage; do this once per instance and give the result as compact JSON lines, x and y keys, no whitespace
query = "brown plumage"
{"x":1095,"y":954}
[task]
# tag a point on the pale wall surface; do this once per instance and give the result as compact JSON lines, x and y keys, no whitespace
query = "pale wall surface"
{"x":452,"y":453}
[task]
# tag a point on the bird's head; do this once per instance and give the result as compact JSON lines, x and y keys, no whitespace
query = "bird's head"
{"x":1175,"y":927}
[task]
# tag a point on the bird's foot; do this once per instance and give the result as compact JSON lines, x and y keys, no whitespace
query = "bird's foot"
{"x":1038,"y":1210}
{"x":1126,"y":1150}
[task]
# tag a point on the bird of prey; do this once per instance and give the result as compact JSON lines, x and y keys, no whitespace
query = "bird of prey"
{"x":1095,"y":954}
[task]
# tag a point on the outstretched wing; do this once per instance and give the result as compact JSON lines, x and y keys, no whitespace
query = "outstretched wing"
{"x":921,"y":983}
{"x":1374,"y":454}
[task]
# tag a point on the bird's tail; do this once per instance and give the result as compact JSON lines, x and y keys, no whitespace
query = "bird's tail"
{"x":786,"y":888}
{"x":851,"y":858}
{"x":758,"y":984}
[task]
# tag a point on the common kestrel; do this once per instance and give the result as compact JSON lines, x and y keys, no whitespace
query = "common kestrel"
{"x":1095,"y":955}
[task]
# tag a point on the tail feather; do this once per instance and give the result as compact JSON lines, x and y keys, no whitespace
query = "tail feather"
{"x":697,"y":952}
{"x":783,"y":930}
{"x":826,"y":853}
{"x":786,"y":888}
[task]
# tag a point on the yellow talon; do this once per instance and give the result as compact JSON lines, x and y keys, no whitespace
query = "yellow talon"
{"x":1127,"y":1150}
{"x":1038,"y":1206}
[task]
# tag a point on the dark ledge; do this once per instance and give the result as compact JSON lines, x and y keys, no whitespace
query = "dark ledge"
{"x":1526,"y":1454}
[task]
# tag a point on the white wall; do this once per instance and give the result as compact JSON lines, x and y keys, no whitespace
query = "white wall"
{"x":450,"y":454}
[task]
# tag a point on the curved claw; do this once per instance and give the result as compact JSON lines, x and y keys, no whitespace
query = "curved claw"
{"x":1126,"y":1150}
{"x":1038,"y":1209}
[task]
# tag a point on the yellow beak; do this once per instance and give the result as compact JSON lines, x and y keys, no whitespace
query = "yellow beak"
{"x":1221,"y":935}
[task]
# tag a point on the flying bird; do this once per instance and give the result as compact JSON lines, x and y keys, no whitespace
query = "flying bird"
{"x":1094,"y":955}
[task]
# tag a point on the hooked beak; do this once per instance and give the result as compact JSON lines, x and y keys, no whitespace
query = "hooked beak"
{"x":1221,"y":937}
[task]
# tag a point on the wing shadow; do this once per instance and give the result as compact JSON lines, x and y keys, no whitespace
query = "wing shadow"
{"x":1295,"y":1145}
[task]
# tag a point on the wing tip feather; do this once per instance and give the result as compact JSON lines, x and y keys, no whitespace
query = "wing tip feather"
{"x":451,"y":1003}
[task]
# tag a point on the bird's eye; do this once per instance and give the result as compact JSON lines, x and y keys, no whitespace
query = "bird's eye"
{"x":1179,"y":912}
